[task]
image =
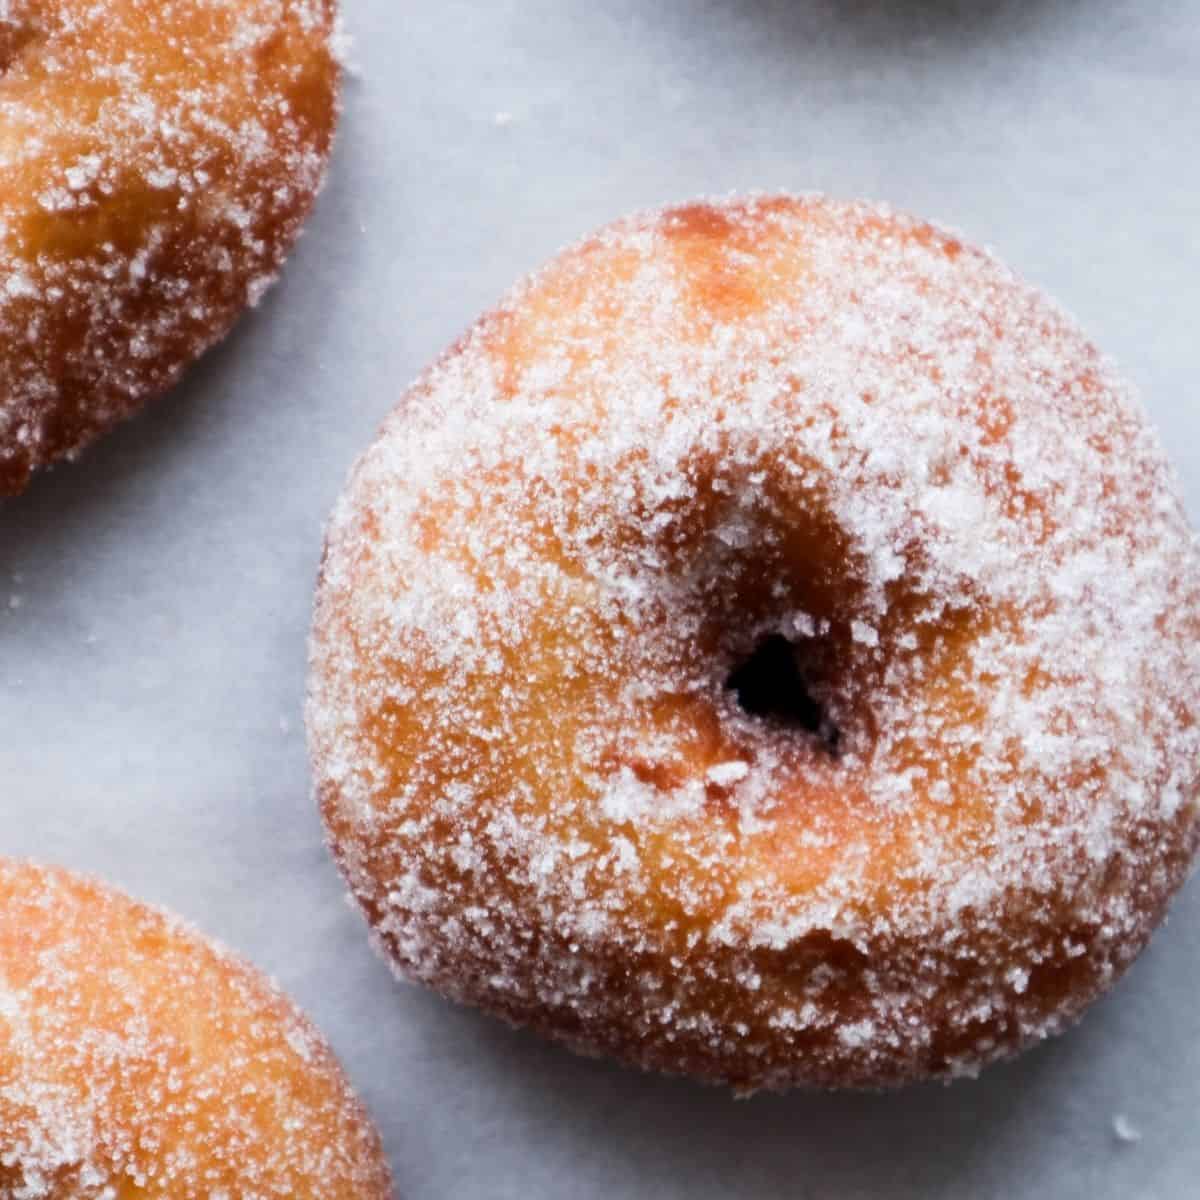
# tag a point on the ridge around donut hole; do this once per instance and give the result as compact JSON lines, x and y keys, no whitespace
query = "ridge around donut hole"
{"x":785,"y":588}
{"x":755,"y":584}
{"x":832,"y":672}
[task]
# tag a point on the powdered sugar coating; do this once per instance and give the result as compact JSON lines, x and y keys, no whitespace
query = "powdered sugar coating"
{"x":699,"y":428}
{"x":157,"y":158}
{"x":139,"y":1060}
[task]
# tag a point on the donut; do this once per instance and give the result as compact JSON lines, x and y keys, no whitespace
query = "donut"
{"x":139,"y":1061}
{"x":764,"y":649}
{"x":157,"y":159}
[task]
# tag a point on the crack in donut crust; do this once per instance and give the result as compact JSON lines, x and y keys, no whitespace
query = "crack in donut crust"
{"x":157,"y":159}
{"x":697,"y":429}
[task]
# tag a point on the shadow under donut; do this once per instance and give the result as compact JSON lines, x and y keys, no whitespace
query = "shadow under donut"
{"x":888,"y":28}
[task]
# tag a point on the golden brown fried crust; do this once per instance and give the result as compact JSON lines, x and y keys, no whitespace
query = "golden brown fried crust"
{"x":157,"y":159}
{"x":140,"y":1061}
{"x":699,"y":430}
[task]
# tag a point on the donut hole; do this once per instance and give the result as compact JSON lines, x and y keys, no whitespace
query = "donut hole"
{"x":770,"y":685}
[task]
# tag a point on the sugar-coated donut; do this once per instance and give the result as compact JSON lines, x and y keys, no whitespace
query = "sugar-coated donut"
{"x":157,"y":158}
{"x":767,"y":647}
{"x":139,"y":1061}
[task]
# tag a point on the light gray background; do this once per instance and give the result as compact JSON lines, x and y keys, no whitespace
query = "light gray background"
{"x":154,"y":600}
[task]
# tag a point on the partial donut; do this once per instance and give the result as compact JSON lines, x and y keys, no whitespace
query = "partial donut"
{"x":139,"y":1061}
{"x":157,"y":158}
{"x":767,"y":647}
